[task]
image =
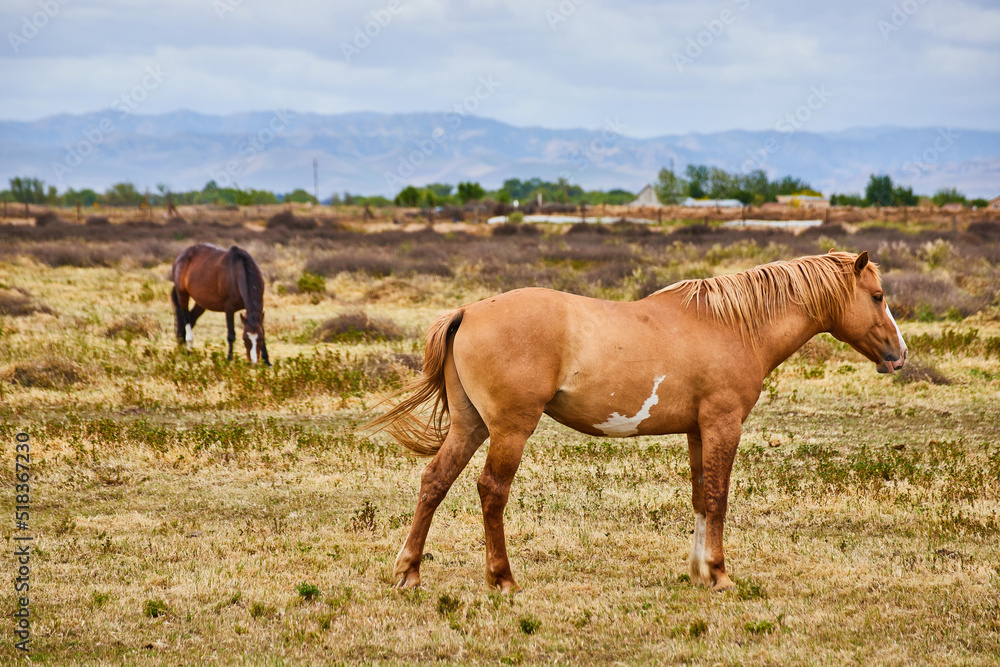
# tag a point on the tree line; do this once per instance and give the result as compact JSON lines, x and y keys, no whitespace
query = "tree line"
{"x":698,"y":182}
{"x":754,"y":188}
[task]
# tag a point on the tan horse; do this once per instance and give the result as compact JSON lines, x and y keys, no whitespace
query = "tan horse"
{"x":690,"y":358}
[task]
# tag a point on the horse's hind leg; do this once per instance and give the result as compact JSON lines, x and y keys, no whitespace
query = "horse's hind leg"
{"x":506,"y":447}
{"x":465,"y":435}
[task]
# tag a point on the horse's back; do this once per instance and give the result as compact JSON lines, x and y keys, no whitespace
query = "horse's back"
{"x":207,"y":273}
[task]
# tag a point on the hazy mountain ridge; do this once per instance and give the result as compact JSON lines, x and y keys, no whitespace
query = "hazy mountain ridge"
{"x":376,"y":153}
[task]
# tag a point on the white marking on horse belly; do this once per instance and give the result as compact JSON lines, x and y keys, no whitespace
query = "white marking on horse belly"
{"x":188,"y":334}
{"x":620,"y":426}
{"x":253,"y":348}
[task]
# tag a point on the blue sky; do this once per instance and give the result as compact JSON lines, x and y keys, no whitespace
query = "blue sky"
{"x":658,"y":67}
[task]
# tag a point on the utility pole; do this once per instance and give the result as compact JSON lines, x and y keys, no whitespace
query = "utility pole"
{"x":316,"y":180}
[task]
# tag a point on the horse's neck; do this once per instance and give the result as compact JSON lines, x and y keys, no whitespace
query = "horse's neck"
{"x":785,"y":335}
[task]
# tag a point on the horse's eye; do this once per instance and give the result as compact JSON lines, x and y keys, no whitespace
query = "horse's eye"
{"x":877,"y":298}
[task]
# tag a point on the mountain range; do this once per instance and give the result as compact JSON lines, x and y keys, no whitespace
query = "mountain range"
{"x":373,"y":153}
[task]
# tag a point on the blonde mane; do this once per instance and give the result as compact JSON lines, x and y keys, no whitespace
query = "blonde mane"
{"x":821,"y":284}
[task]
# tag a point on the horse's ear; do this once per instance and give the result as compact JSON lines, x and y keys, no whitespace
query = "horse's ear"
{"x":861,"y":262}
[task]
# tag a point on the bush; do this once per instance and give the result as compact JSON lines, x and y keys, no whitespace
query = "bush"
{"x":97,"y":221}
{"x":311,"y":283}
{"x":17,"y":302}
{"x":914,"y":296}
{"x":49,"y":218}
{"x":52,"y":374}
{"x":155,"y":608}
{"x":288,"y":220}
{"x":133,"y":326}
{"x":307,"y":591}
{"x":915,"y":370}
{"x":529,"y":624}
{"x":357,"y":326}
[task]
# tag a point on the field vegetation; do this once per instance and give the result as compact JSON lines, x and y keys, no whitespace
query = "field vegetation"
{"x":189,"y":510}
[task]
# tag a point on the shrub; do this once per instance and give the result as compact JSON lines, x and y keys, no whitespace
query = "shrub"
{"x":288,"y":220}
{"x":51,"y":374}
{"x":919,"y":371}
{"x":97,"y":221}
{"x":155,"y":608}
{"x":311,"y":283}
{"x":357,"y":326}
{"x":529,"y":624}
{"x":448,"y":605}
{"x":307,"y":591}
{"x":917,"y":296}
{"x":17,"y":302}
{"x":133,"y":326}
{"x":698,"y":628}
{"x":49,"y":218}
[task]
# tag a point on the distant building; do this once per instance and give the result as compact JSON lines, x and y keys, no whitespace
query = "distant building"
{"x":805,"y":201}
{"x":994,"y":204}
{"x":646,"y":198}
{"x":953,"y":207}
{"x":712,"y":203}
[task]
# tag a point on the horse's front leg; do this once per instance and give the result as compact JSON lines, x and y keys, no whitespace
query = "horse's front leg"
{"x":696,"y":564}
{"x":720,"y":431}
{"x":230,"y":331}
{"x":180,"y":301}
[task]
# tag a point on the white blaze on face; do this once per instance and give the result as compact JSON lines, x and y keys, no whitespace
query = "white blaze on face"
{"x":902,"y":345}
{"x":253,"y":348}
{"x":620,"y":426}
{"x":188,"y":334}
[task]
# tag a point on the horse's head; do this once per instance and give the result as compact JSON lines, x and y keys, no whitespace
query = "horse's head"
{"x":866,"y":323}
{"x":253,"y":339}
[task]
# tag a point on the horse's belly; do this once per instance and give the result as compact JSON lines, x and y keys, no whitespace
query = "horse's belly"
{"x":654,"y":410}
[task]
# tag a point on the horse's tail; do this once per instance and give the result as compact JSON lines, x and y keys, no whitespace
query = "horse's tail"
{"x":421,"y":436}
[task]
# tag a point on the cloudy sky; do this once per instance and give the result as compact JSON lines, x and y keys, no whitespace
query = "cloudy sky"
{"x":657,"y":67}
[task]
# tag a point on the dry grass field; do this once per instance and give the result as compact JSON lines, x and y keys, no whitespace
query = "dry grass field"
{"x":188,"y":510}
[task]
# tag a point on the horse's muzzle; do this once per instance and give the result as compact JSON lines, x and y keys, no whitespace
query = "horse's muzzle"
{"x":891,"y":363}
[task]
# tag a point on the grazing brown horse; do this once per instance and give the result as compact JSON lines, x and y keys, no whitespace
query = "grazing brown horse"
{"x":224,"y":281}
{"x":690,"y":358}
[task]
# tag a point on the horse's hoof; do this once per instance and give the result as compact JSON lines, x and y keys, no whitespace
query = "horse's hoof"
{"x":723,"y":584}
{"x":408,"y":582}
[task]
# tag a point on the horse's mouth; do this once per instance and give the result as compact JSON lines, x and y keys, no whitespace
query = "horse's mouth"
{"x":887,"y":365}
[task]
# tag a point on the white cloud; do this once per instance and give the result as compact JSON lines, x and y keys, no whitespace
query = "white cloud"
{"x":602,"y":61}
